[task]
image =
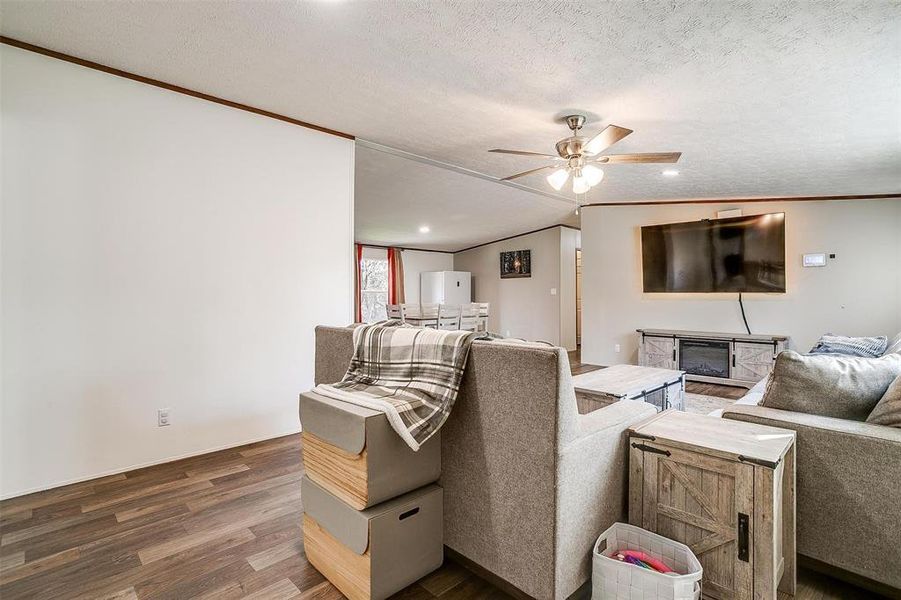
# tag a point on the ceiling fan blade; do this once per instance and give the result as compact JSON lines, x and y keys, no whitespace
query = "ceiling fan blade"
{"x":609,"y":136}
{"x":529,"y":172}
{"x":648,"y":157}
{"x":522,"y":152}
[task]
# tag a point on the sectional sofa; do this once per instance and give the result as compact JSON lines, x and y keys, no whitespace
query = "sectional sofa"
{"x":529,"y":482}
{"x":849,"y":490}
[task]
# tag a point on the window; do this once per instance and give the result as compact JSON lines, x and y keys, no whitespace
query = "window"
{"x":374,"y":288}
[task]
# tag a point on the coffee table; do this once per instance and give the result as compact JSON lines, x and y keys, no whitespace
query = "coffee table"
{"x":663,"y":388}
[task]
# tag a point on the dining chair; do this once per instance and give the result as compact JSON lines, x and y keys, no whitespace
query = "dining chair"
{"x":449,"y":317}
{"x":410,"y":313}
{"x":429,"y":315}
{"x":483,"y":315}
{"x":469,"y":317}
{"x":394,"y":311}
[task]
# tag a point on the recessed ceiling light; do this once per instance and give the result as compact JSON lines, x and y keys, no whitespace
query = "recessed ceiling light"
{"x":671,"y":172}
{"x":424,"y":229}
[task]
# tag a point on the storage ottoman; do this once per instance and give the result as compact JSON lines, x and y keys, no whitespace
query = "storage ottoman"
{"x":371,"y":554}
{"x":354,"y":453}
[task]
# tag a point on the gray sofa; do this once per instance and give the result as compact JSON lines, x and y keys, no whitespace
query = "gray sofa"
{"x":848,"y":490}
{"x":529,"y":483}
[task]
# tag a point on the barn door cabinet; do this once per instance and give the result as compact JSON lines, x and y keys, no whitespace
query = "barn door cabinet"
{"x":724,"y":488}
{"x":657,"y":351}
{"x":726,"y":358}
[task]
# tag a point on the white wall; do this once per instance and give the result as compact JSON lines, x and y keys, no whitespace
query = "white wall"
{"x":416,"y":262}
{"x":523,"y":307}
{"x":157,"y":251}
{"x":858,"y":293}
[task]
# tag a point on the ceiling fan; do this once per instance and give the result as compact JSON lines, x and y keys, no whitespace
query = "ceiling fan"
{"x":581,"y":156}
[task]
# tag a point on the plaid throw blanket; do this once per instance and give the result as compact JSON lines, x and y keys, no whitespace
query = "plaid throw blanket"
{"x":411,"y":374}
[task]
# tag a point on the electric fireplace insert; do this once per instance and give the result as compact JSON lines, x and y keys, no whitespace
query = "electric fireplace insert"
{"x":704,"y":357}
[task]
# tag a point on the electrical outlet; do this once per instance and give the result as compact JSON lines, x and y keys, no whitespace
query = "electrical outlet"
{"x":616,"y":348}
{"x":553,"y":291}
{"x":507,"y":334}
{"x":162,"y":417}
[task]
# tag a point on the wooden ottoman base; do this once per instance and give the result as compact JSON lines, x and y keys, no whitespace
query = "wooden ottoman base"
{"x":347,"y":570}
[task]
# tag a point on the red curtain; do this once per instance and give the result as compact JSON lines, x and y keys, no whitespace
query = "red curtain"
{"x":358,"y":298}
{"x":395,"y":276}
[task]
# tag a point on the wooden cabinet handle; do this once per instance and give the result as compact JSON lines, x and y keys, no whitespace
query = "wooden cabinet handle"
{"x":743,"y":537}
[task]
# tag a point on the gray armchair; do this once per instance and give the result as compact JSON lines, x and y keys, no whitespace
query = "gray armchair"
{"x":529,"y":483}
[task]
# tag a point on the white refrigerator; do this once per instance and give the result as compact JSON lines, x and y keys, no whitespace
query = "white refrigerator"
{"x":445,"y":287}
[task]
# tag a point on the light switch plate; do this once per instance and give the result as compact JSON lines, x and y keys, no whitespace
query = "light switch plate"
{"x":553,"y":291}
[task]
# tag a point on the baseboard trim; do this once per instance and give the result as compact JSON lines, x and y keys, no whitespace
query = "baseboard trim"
{"x":144,"y":465}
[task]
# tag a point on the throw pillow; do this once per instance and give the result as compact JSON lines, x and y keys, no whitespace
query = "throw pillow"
{"x":868,"y":347}
{"x":894,"y":346}
{"x":830,"y":385}
{"x":888,"y":411}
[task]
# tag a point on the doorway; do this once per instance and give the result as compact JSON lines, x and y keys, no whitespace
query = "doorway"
{"x":578,"y":297}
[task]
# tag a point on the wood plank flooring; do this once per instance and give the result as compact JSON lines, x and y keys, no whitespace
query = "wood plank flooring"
{"x":732,"y":392}
{"x":223,"y":525}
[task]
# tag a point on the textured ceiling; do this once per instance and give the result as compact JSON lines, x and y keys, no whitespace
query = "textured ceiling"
{"x":394,"y":196}
{"x":763,"y":98}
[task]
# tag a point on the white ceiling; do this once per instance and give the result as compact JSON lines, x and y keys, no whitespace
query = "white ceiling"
{"x":395,"y":196}
{"x":763,"y":98}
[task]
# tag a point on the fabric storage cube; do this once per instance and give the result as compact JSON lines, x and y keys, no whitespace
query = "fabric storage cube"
{"x":354,"y":453}
{"x":373,"y":553}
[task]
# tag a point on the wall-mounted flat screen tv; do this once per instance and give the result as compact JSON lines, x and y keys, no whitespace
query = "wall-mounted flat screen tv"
{"x":739,"y":254}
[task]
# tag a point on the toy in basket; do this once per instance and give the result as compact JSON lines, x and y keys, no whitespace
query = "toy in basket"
{"x":632,"y":562}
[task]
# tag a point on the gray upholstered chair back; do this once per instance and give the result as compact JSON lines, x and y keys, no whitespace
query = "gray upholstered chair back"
{"x":499,"y":452}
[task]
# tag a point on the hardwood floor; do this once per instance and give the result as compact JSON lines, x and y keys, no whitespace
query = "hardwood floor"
{"x":577,"y":367}
{"x":732,"y":392}
{"x":222,"y":525}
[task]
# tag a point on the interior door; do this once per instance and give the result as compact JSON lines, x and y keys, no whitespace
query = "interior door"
{"x":707,"y":504}
{"x":578,"y":297}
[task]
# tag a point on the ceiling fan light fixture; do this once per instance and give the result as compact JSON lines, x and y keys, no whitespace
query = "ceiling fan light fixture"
{"x":578,"y":150}
{"x":593,"y":174}
{"x":558,"y":178}
{"x":580,"y":184}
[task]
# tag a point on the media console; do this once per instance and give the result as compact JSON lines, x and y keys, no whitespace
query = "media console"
{"x":725,"y":358}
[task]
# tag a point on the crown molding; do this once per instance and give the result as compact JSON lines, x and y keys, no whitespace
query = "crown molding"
{"x":746,"y":200}
{"x":510,"y":237}
{"x":168,"y":86}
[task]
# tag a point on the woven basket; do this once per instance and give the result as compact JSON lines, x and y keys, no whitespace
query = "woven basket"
{"x":616,"y":580}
